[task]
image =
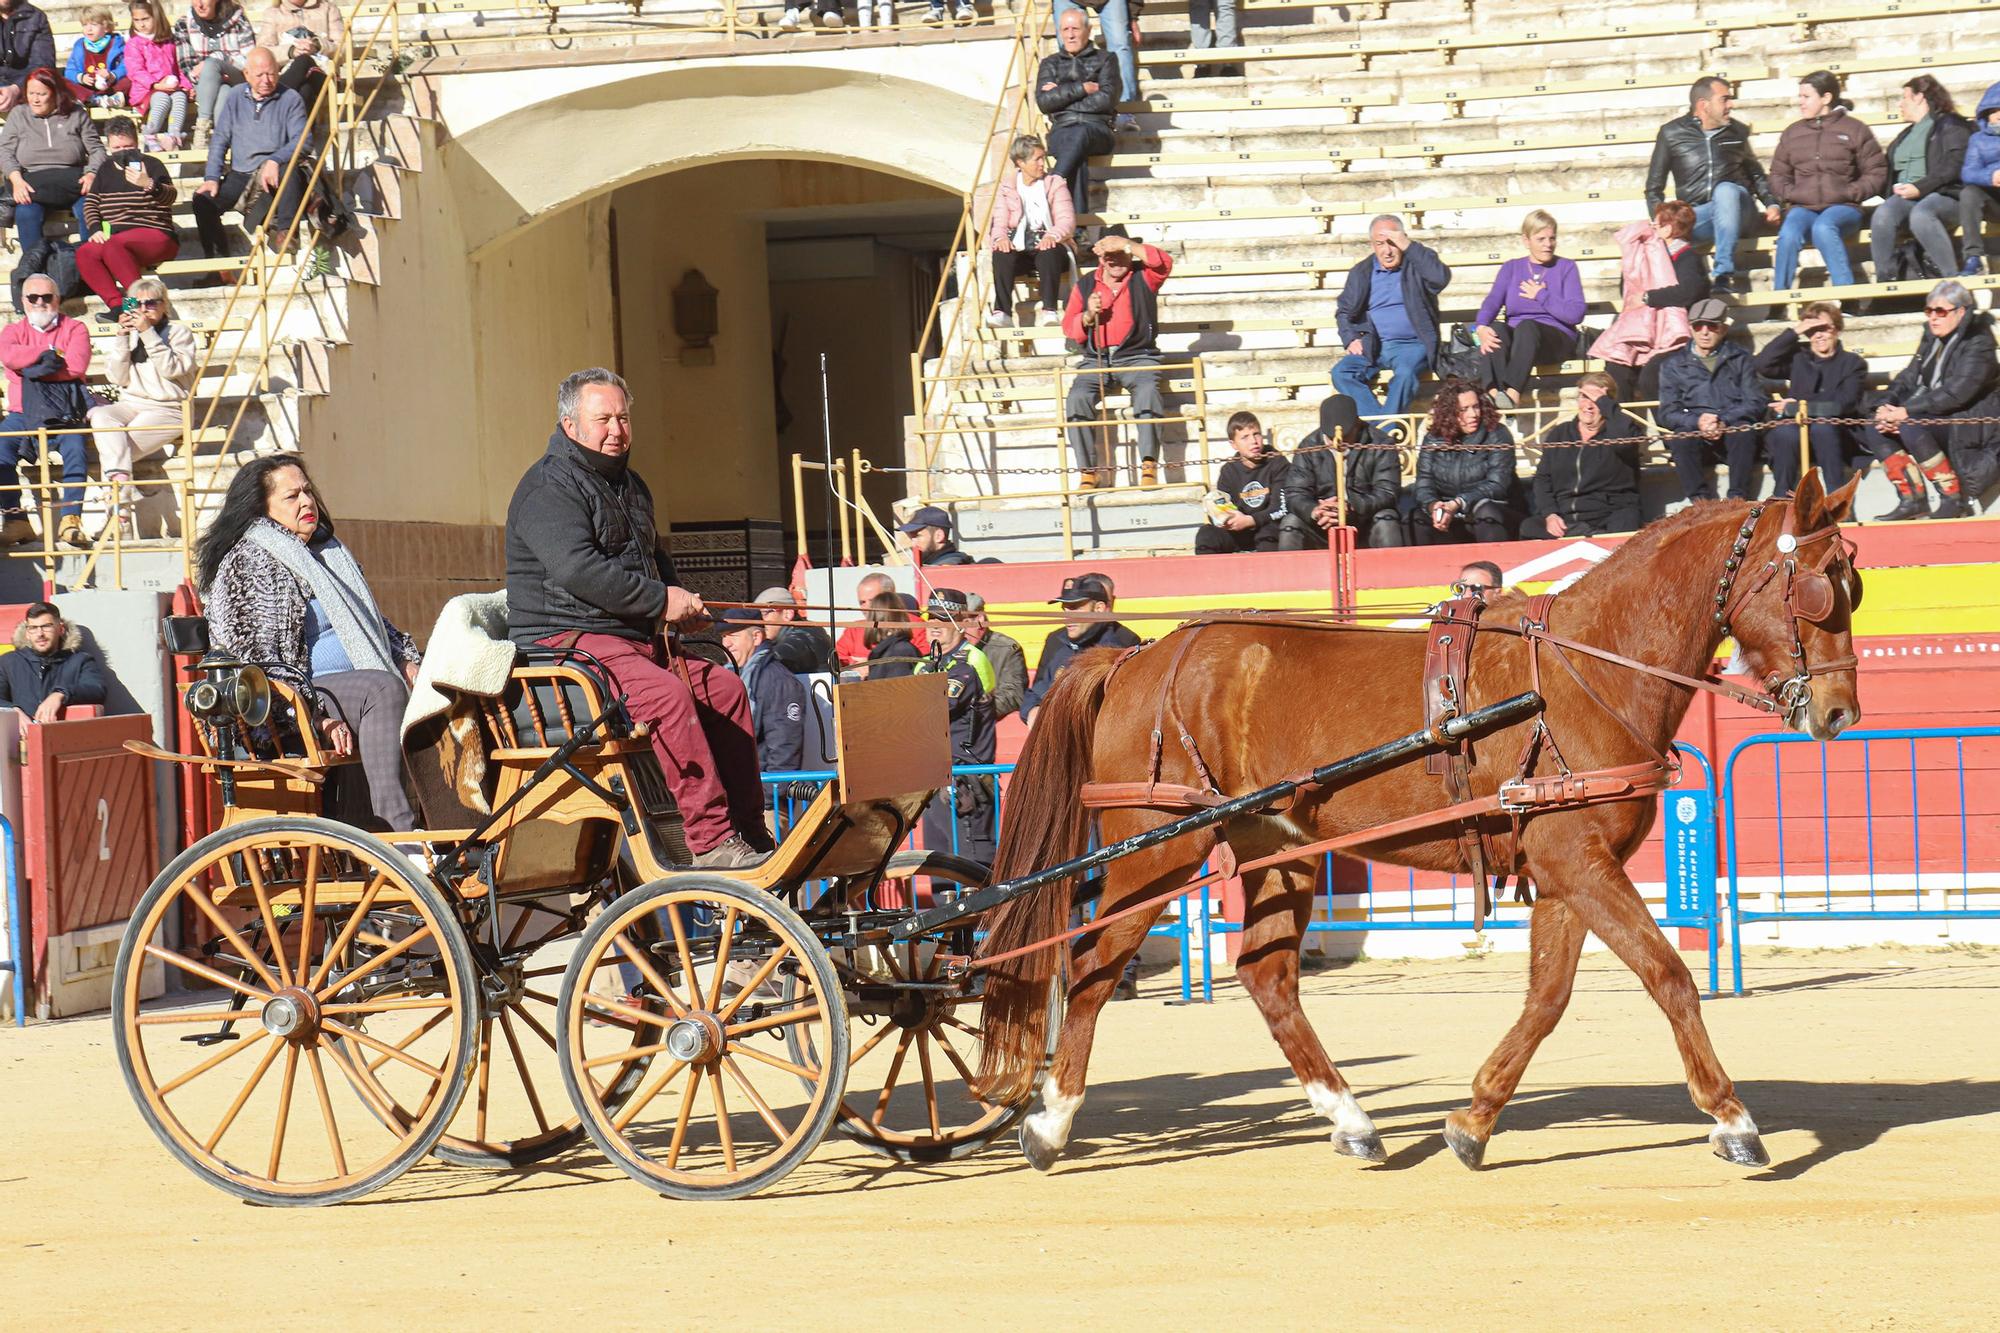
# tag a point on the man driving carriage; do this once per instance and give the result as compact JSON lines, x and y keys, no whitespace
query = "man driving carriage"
{"x":586,"y":570}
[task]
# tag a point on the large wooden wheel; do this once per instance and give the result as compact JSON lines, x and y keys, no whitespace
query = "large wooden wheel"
{"x":913,"y":1049}
{"x":725,"y":1110}
{"x":319,"y":1018}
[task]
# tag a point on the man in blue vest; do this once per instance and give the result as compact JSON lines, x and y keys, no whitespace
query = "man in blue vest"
{"x":969,"y":681}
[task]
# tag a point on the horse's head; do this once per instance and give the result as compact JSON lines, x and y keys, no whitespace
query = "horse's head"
{"x":1788,"y":593}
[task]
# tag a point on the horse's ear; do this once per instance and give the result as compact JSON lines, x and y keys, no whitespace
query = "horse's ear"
{"x":1806,"y":500}
{"x":1839,"y":504}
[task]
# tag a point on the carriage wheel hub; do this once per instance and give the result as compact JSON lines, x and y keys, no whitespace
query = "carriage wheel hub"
{"x":291,"y":1015}
{"x":695,"y":1039}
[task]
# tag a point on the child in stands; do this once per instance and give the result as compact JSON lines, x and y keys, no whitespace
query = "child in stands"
{"x":158,"y":92}
{"x":96,"y":69}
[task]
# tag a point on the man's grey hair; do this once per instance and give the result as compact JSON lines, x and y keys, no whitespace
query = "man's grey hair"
{"x":573,"y":387}
{"x":1024,"y":147}
{"x":50,"y":282}
{"x":1395,"y":220}
{"x":1080,"y":12}
{"x":1950,"y":292}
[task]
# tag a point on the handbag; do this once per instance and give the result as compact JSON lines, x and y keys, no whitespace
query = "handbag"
{"x":56,"y":187}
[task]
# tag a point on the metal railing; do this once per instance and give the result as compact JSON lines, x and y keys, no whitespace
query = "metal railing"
{"x":16,"y":960}
{"x":1929,"y":839}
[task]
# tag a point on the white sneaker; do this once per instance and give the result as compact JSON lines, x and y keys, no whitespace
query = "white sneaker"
{"x":1048,"y":317}
{"x":965,"y":13}
{"x":885,"y":15}
{"x":936,"y":15}
{"x":832,"y":19}
{"x":999,"y":319}
{"x":790,"y":22}
{"x":864,"y":16}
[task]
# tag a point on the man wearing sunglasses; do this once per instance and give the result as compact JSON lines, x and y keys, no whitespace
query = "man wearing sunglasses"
{"x":1952,"y":375}
{"x":46,"y":354}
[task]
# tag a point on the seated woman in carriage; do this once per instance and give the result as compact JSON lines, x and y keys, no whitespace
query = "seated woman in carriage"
{"x":282,"y":592}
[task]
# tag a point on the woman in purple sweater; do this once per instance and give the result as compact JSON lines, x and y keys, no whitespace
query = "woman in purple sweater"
{"x":1542,"y":297}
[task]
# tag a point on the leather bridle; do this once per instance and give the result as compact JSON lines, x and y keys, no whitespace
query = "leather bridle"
{"x":1806,"y":593}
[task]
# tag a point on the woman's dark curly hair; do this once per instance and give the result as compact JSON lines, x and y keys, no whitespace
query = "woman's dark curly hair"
{"x":246,"y":501}
{"x":1444,"y":411}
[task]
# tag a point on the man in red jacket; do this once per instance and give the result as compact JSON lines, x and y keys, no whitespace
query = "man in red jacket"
{"x":47,"y":354}
{"x":1115,"y":319}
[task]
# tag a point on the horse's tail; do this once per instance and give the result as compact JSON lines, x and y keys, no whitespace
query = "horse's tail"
{"x":1045,"y":824}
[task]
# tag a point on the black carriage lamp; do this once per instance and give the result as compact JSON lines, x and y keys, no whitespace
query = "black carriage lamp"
{"x":696,"y":319}
{"x":226,"y":689}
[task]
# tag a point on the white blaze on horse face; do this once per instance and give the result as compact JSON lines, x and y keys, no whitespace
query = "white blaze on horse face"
{"x":1340,"y":1107}
{"x":1051,"y":1123}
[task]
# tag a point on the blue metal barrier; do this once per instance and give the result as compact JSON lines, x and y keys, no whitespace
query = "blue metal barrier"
{"x":1873,"y":900}
{"x":16,"y":960}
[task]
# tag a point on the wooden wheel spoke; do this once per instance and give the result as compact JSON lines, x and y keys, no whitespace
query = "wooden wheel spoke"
{"x":626,"y":1011}
{"x":880,"y":1036}
{"x":485,"y":1080}
{"x":348,"y":930}
{"x":889,"y":1083}
{"x":775,"y":1061}
{"x":326,"y":1112}
{"x":396,"y":1053}
{"x":235,"y":938}
{"x":205,"y":972}
{"x":410,"y":1040}
{"x":724,"y":943}
{"x":957,"y":1060}
{"x":639,"y":1102}
{"x":365,"y":1007}
{"x":229,"y":1052}
{"x":652,"y":975}
{"x":777,"y":1020}
{"x":888,"y":955}
{"x":521,"y":1068}
{"x":681,"y":949}
{"x":950,"y":1020}
{"x":394,"y":951}
{"x":242,"y":1096}
{"x":537,"y":973}
{"x":762,"y":1107}
{"x":393,"y":1118}
{"x":630,"y":1055}
{"x":537,"y":997}
{"x":762,"y":975}
{"x":681,"y":1122}
{"x":308,"y":903}
{"x":722,"y":1129}
{"x":196,"y":1016}
{"x":290,"y":1077}
{"x":930,"y":1083}
{"x":263,"y":895}
{"x":535,"y":1026}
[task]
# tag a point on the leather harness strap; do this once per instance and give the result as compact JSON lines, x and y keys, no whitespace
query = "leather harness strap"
{"x":1447,"y":664}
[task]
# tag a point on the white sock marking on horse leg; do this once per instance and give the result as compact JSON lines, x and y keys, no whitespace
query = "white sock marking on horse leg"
{"x":1051,"y":1123}
{"x":1740,"y":1124}
{"x":1340,"y":1107}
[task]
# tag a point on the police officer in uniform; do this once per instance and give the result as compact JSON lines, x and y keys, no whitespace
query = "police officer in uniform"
{"x":969,"y":689}
{"x":778,"y":699}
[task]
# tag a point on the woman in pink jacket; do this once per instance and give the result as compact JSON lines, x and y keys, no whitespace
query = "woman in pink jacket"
{"x":1032,"y":216}
{"x":1663,"y":275}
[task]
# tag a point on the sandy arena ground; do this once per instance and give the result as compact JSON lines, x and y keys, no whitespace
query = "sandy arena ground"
{"x":1199,"y":1191}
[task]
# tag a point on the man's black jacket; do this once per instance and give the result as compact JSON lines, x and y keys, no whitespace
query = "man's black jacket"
{"x":1699,"y":163}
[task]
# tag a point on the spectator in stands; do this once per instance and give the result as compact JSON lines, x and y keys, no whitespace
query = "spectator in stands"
{"x":1953,"y":374}
{"x":47,"y":355}
{"x":214,"y":41}
{"x":49,"y":153}
{"x":95,"y":71}
{"x":1116,"y":320}
{"x":892,"y":651}
{"x":1312,"y":483}
{"x":280,"y":590}
{"x":1583,"y":487}
{"x":804,"y":649}
{"x":152,"y":362}
{"x":1826,"y":165}
{"x":1924,"y":164}
{"x":1388,"y":318}
{"x":1010,"y":664}
{"x":50,"y":669}
{"x":1708,"y":155}
{"x":963,"y":822}
{"x":1710,"y":387}
{"x":1033,"y":221}
{"x":258,"y":132}
{"x":1086,"y":602}
{"x":1212,"y":23}
{"x":1542,"y":297}
{"x":778,"y":699}
{"x":1481,"y":576}
{"x":1246,"y":510}
{"x":1077,"y":87}
{"x":851,"y":647}
{"x":305,"y":34}
{"x":928,"y":537}
{"x":1465,"y":472}
{"x":26,"y":44}
{"x":129,"y":216}
{"x":1980,"y":177}
{"x":1824,"y":377}
{"x":152,"y":63}
{"x":1114,"y":20}
{"x":1663,"y":274}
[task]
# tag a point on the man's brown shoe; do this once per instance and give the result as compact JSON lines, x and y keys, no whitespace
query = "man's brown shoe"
{"x":732,"y":853}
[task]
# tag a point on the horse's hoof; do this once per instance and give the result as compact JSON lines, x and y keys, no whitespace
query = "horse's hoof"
{"x":1467,"y":1149}
{"x":1368,"y":1147}
{"x":1040,"y":1154}
{"x":1741,"y":1149}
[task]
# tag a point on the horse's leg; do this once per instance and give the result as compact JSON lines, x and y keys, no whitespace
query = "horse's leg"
{"x":1096,"y":964}
{"x":1277,"y":904}
{"x":1555,"y":942}
{"x":1610,"y":907}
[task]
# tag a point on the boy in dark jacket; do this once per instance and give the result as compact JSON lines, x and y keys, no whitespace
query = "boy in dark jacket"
{"x":1828,"y":379}
{"x":1312,"y":484}
{"x":1588,"y":488}
{"x":1710,"y":386}
{"x":1246,"y":511}
{"x":49,"y":669}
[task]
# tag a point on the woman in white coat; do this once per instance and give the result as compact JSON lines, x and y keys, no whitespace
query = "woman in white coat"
{"x":152,"y":362}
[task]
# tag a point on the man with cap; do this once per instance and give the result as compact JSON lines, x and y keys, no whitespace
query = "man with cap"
{"x":803,"y":648}
{"x":1084,"y":600}
{"x":1010,"y":664}
{"x":969,"y":684}
{"x":1710,"y":388}
{"x":778,"y":699}
{"x":929,"y":536}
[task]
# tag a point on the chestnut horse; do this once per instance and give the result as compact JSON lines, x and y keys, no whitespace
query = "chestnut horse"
{"x":1262,"y":702}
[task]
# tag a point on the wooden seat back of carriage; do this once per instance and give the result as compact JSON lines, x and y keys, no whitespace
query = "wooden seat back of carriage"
{"x":259,"y":793}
